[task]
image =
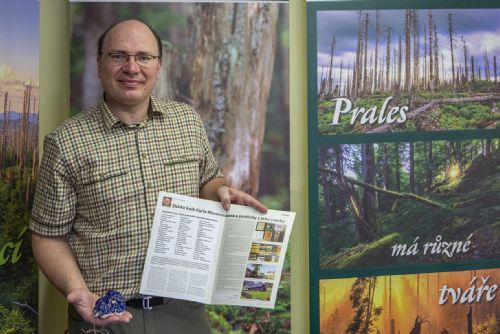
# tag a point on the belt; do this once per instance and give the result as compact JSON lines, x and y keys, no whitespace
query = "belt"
{"x":146,"y":303}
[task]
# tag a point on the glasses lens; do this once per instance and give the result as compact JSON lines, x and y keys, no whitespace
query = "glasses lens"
{"x":118,"y":58}
{"x":144,"y":59}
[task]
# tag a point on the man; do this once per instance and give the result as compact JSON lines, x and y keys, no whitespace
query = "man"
{"x":99,"y":178}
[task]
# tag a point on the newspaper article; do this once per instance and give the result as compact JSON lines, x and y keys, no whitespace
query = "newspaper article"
{"x":200,"y":252}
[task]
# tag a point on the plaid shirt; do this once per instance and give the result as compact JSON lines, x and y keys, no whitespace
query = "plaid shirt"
{"x":99,"y":180}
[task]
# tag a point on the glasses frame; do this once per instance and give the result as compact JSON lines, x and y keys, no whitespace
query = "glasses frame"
{"x":128,"y":55}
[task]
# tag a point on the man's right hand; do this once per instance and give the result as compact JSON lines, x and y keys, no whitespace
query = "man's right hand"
{"x":84,"y":302}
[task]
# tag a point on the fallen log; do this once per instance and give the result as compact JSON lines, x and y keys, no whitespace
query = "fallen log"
{"x":408,"y":196}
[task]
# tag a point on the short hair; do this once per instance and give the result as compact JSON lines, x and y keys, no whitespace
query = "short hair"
{"x":100,"y":42}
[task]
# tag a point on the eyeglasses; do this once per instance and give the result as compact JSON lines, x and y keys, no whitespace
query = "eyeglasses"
{"x":120,"y":58}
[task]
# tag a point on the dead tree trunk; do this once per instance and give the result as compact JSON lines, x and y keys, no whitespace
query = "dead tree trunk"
{"x":377,"y":38}
{"x":416,"y":47}
{"x":431,"y":57}
{"x":466,"y":79}
{"x":329,"y":89}
{"x":436,"y":58}
{"x":451,"y":31}
{"x":407,"y":50}
{"x":388,"y":59}
{"x":495,"y":67}
{"x":229,"y":79}
{"x":3,"y":153}
{"x":365,"y":57}
{"x":24,"y":130}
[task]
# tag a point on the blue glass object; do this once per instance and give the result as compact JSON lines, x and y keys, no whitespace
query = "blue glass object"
{"x":112,"y":303}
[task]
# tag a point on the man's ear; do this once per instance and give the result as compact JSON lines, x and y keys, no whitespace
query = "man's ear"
{"x":98,"y":63}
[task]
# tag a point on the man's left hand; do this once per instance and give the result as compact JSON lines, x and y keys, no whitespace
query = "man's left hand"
{"x":228,"y":195}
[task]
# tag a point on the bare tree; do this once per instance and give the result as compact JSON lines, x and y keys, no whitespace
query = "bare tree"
{"x":5,"y":121}
{"x":495,"y":67}
{"x":377,"y":39}
{"x":466,"y":78}
{"x":407,"y":50}
{"x":365,"y":57}
{"x":451,"y":32}
{"x":388,"y":58}
{"x":416,"y":46}
{"x":436,"y":58}
{"x":431,"y":45}
{"x":329,"y":86}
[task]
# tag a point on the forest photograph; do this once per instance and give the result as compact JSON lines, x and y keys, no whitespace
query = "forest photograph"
{"x":230,"y":62}
{"x":426,"y":303}
{"x":19,"y":105}
{"x":387,"y":204}
{"x":408,"y":70}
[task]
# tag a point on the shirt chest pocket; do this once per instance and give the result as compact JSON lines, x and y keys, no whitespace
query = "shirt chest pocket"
{"x":182,"y":175}
{"x":103,"y":186}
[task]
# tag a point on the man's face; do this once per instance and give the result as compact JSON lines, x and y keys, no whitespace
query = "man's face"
{"x":128,"y":85}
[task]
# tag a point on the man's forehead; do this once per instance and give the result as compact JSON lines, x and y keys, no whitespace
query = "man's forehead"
{"x":129,"y":32}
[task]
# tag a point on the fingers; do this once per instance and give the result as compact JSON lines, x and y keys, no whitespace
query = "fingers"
{"x":125,"y":317}
{"x":250,"y":201}
{"x":229,"y":195}
{"x":225,"y":197}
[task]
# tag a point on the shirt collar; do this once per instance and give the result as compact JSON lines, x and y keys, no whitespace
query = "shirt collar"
{"x":110,"y":119}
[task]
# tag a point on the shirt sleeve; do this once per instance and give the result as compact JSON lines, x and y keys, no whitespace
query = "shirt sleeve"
{"x":209,"y":167}
{"x":55,"y":198}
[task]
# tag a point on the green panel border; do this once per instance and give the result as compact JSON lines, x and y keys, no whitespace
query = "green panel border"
{"x":54,"y":108}
{"x":315,"y":140}
{"x":298,"y":170}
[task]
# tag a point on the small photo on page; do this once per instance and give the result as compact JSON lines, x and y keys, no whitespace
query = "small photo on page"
{"x":167,"y":201}
{"x":256,"y":290}
{"x":258,"y":270}
{"x":269,"y":232}
{"x":264,"y":252}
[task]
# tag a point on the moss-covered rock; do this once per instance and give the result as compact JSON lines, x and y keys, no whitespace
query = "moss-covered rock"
{"x":372,"y":254}
{"x":480,"y":168}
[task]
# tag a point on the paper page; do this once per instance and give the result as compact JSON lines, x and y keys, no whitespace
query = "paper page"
{"x":183,"y":248}
{"x":252,"y":257}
